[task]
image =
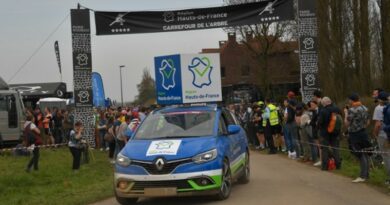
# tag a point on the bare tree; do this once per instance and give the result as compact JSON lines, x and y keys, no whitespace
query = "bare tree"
{"x":259,"y":39}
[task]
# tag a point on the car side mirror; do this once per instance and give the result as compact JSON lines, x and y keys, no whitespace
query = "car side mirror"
{"x":233,"y":129}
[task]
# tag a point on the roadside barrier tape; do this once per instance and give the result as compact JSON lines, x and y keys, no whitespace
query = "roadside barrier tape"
{"x":365,"y":150}
{"x":30,"y":147}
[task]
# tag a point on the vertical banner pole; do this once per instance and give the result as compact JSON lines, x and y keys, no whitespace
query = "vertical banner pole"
{"x":308,"y":46}
{"x":82,"y":72}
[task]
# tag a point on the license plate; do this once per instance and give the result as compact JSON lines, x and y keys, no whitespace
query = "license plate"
{"x":168,"y":191}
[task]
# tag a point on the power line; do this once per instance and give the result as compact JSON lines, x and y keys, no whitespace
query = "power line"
{"x":39,"y":48}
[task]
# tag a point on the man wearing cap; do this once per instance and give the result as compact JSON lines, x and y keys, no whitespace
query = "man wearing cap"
{"x":379,"y":133}
{"x":356,"y":120}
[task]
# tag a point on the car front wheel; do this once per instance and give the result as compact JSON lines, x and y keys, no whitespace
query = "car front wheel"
{"x":226,"y":186}
{"x":244,"y":179}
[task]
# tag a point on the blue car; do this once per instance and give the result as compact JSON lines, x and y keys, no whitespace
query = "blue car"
{"x":183,"y":151}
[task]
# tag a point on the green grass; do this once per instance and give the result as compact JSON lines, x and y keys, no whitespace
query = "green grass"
{"x":350,"y":168}
{"x":55,"y":183}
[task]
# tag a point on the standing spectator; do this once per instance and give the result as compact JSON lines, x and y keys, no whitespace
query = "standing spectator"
{"x":68,"y":124}
{"x":379,"y":132}
{"x":102,"y":128}
{"x":58,"y":122}
{"x":48,"y":125}
{"x":38,"y":116}
{"x":270,"y":124}
{"x":122,"y":138}
{"x":328,"y":139}
{"x":318,"y":99}
{"x":257,"y":120}
{"x":356,"y":119}
{"x":306,"y":133}
{"x":313,"y":139}
{"x":142,"y":113}
{"x":290,"y":130}
{"x":75,"y":145}
{"x":250,"y":125}
{"x":375,"y":93}
{"x":33,"y":140}
{"x":112,"y":142}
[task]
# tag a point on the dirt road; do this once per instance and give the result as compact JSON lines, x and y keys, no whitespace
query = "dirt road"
{"x":278,"y":180}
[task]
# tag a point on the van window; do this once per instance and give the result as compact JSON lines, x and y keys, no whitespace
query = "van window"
{"x":8,"y":110}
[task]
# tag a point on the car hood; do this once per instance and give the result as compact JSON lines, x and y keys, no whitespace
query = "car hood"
{"x":170,"y":149}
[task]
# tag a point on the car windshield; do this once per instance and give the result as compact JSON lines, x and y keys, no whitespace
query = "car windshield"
{"x":177,"y":125}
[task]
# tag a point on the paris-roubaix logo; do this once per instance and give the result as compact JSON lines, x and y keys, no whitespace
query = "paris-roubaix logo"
{"x":201,"y":69}
{"x":167,"y":71}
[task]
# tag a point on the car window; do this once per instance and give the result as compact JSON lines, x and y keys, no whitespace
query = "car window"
{"x":228,"y":117}
{"x":222,"y":130}
{"x":177,"y":124}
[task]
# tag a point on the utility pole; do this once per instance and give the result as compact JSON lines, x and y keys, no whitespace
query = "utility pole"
{"x":120,"y":71}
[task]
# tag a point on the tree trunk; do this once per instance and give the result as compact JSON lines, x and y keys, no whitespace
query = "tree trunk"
{"x":365,"y":48}
{"x":385,"y":16}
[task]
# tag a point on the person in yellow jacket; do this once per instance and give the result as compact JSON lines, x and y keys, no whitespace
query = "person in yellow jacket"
{"x":270,"y":123}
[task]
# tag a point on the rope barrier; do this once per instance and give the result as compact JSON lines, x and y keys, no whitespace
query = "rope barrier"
{"x":32,"y":147}
{"x":365,"y":150}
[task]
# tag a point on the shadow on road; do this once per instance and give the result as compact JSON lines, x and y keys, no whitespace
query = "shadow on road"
{"x":174,"y":201}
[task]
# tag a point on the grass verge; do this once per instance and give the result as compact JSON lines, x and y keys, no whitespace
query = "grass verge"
{"x":55,"y":182}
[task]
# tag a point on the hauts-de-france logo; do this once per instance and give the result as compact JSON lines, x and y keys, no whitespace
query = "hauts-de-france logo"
{"x":168,"y":71}
{"x":164,"y":145}
{"x":201,"y":69}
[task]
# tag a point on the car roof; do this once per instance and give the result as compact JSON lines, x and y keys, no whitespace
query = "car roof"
{"x":208,"y":108}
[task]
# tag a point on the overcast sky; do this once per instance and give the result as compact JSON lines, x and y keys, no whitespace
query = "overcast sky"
{"x":25,"y":24}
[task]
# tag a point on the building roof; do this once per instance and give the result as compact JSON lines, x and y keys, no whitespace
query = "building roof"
{"x":3,"y":84}
{"x":38,"y":90}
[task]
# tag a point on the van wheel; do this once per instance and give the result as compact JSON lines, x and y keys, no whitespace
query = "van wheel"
{"x":245,"y":178}
{"x":227,"y":181}
{"x":126,"y":201}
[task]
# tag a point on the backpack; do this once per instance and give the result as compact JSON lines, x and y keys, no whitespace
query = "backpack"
{"x":386,"y":120}
{"x":335,"y":123}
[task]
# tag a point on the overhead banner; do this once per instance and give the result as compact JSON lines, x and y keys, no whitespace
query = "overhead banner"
{"x":57,"y":51}
{"x":98,"y":90}
{"x":110,"y":23}
{"x":188,"y":78}
{"x":82,"y":69}
{"x":308,"y":44}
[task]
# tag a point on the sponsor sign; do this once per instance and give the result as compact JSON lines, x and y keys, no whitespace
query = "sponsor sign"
{"x":266,"y":11}
{"x":82,"y":60}
{"x":163,"y":147}
{"x":188,"y":78}
{"x":82,"y":68}
{"x":308,"y":56}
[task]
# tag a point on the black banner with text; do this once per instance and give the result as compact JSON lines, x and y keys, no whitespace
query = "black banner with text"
{"x":110,"y":23}
{"x":308,"y":56}
{"x":82,"y":72}
{"x":82,"y":62}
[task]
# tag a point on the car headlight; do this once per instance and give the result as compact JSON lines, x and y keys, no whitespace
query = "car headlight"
{"x":205,"y":157}
{"x":122,"y":160}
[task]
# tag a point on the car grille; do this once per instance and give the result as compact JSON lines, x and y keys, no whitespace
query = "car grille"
{"x":151,"y":168}
{"x":179,"y":184}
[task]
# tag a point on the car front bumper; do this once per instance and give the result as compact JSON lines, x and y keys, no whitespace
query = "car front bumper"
{"x":180,"y":184}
